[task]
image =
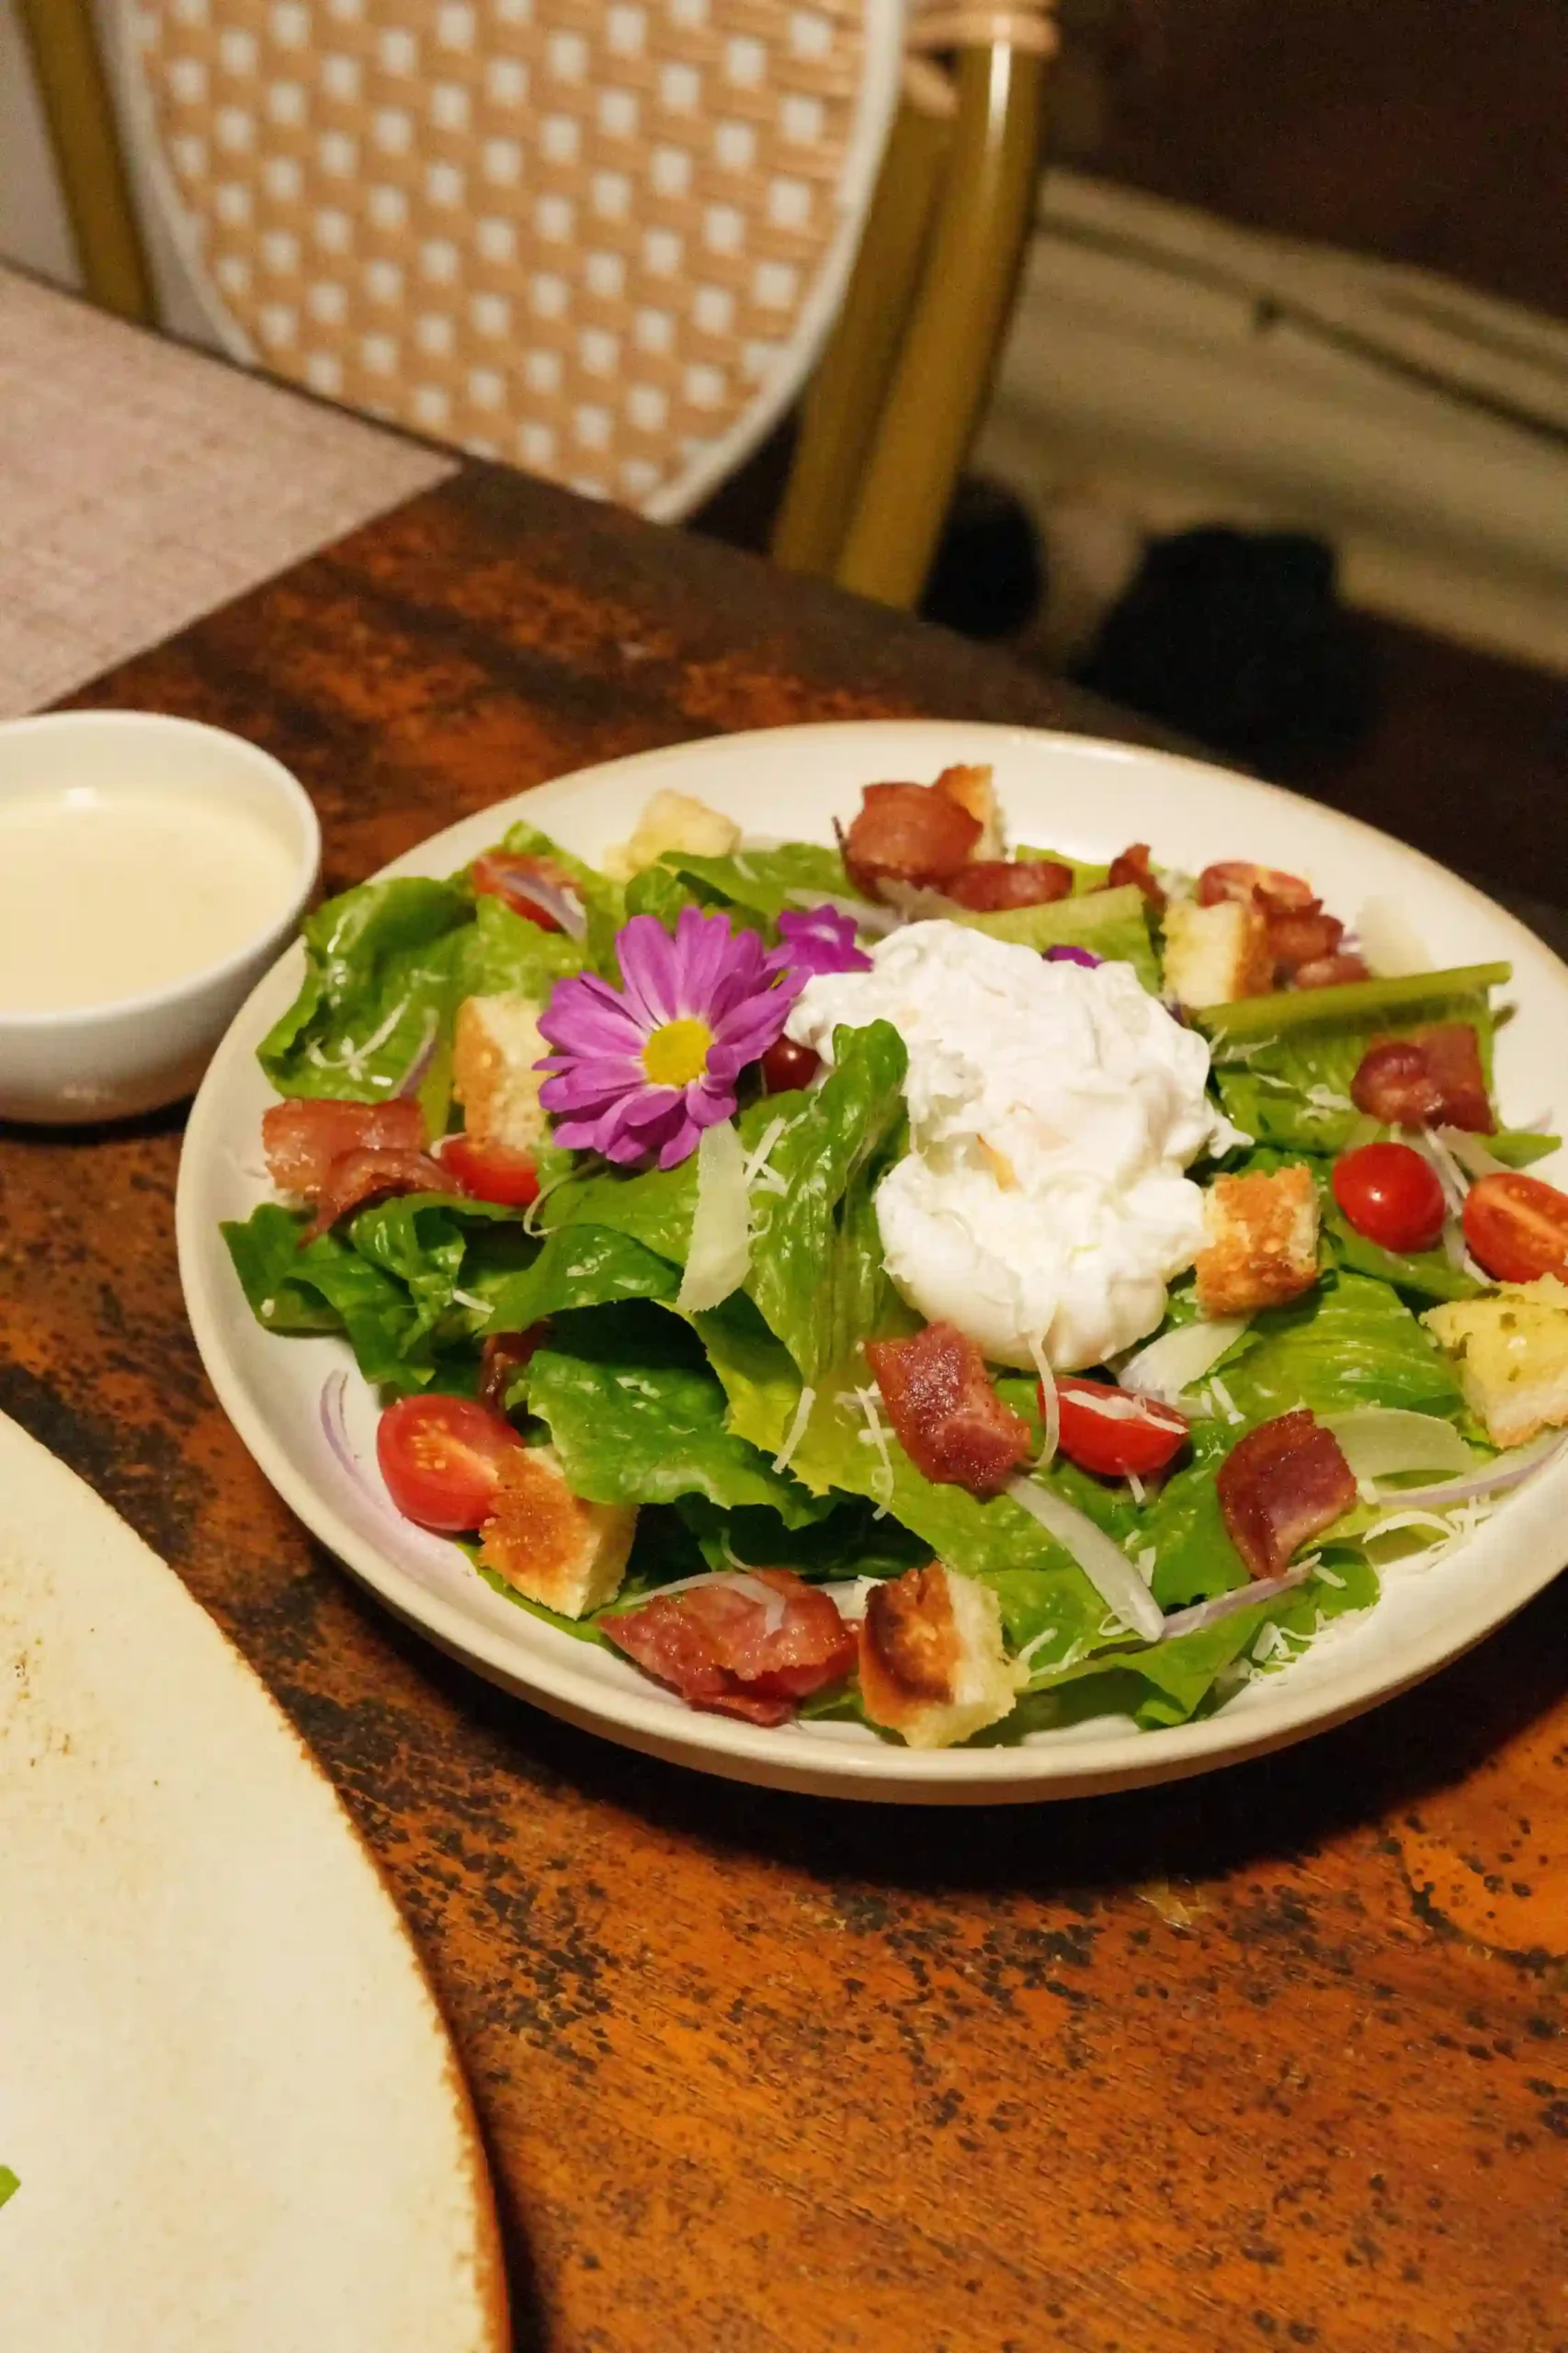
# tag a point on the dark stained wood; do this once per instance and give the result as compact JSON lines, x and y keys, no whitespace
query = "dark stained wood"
{"x":1272,"y":2060}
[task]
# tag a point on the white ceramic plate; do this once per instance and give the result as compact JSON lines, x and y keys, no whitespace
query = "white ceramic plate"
{"x":1072,"y":794}
{"x":236,"y":2120}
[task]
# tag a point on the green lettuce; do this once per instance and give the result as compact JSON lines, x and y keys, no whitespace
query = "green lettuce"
{"x":637,"y":1416}
{"x":1284,"y":1064}
{"x":1352,"y":1342}
{"x":604,"y":900}
{"x":9,"y":2184}
{"x":328,"y":1287}
{"x":1114,"y":924}
{"x":763,"y":883}
{"x":383,"y":972}
{"x":503,"y":951}
{"x":817,"y":1274}
{"x":1086,"y":874}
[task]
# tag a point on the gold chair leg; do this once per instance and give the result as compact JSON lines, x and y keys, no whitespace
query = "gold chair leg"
{"x":79,"y":115}
{"x":846,"y":398}
{"x":954,"y":334}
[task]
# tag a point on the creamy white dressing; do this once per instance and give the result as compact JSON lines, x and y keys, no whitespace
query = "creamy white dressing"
{"x":108,"y":895}
{"x":1053,"y":1109}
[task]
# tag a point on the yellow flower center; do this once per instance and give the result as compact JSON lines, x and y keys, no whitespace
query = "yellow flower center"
{"x":676,"y":1053}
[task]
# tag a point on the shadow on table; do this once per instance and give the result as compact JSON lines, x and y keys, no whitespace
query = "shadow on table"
{"x":1280,"y":1807}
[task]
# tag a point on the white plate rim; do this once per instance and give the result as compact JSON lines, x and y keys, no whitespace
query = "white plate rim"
{"x":1028,"y":1772}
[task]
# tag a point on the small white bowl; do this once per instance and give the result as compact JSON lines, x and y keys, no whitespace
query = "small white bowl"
{"x":136,"y":1052}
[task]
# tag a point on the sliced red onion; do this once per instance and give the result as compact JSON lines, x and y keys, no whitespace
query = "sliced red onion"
{"x":1063,"y":954}
{"x":1493,"y":1479}
{"x":1225,"y":1605}
{"x":413,"y":1078}
{"x":563,"y":907}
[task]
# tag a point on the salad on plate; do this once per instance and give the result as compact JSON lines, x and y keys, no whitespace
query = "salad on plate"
{"x":954,"y":1289}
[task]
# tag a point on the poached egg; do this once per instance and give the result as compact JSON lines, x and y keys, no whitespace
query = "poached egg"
{"x":1053,"y":1109}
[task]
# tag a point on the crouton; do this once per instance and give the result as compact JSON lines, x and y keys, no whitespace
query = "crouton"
{"x":976,"y":794}
{"x":1214,"y":955}
{"x":1263,"y":1240}
{"x":673,"y":821}
{"x":933,"y":1667}
{"x":551,"y":1545}
{"x":1513,"y":1357}
{"x":494,"y":1047}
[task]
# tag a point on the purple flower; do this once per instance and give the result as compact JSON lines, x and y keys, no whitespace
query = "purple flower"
{"x":1071,"y":956}
{"x":641,"y":1070}
{"x":822,"y":941}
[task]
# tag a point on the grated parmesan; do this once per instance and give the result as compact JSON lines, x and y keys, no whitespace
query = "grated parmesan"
{"x":797,"y":1429}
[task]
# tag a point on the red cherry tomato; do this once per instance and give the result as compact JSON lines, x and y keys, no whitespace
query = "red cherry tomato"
{"x":1392,"y":1195}
{"x":442,"y":1460}
{"x":534,"y":886}
{"x":1112,"y":1431}
{"x":1517,"y":1228}
{"x":492,"y":1172}
{"x":787,"y":1065}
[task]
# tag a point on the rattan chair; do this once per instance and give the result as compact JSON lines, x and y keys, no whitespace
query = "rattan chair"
{"x":603,"y":239}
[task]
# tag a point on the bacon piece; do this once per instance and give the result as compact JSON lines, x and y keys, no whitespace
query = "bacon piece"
{"x":1297,"y":939}
{"x":1133,"y":866}
{"x":1431,"y":1079}
{"x":911,"y":833}
{"x":948,"y":1418}
{"x":301,"y":1138}
{"x":1331,"y":971}
{"x":1283,"y":1485}
{"x":1264,"y":886}
{"x":500,"y":1359}
{"x":356,"y":1177}
{"x":992,"y":883}
{"x":711,"y":1643}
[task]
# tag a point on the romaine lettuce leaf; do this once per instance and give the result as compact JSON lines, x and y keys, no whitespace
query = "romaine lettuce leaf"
{"x":764,"y":882}
{"x":580,"y":1266}
{"x":604,"y":900}
{"x":1114,"y":924}
{"x":1086,"y":874}
{"x":654,"y":1205}
{"x":1424,"y":1274}
{"x":328,"y":1287}
{"x":1352,"y":1342}
{"x":817,"y":1273}
{"x":383,"y":972}
{"x":505,"y":952}
{"x":636,"y":1416}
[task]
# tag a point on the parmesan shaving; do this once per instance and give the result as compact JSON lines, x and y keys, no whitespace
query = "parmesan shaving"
{"x":797,"y":1429}
{"x":1050,"y":1406}
{"x":719,"y":1257}
{"x":1105,"y":1564}
{"x":1223,"y":1399}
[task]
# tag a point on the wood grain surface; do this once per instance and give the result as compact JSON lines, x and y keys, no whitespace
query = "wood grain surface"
{"x":1271,"y":2059}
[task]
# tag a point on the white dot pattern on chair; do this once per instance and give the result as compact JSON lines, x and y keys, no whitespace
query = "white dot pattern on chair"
{"x":583,"y":232}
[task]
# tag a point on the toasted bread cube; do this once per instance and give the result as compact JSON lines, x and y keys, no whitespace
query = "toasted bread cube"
{"x":551,"y":1545}
{"x":933,"y":1665}
{"x":673,"y":821}
{"x":975,"y":793}
{"x":1263,"y":1240}
{"x":1513,"y":1357}
{"x":1214,"y":955}
{"x":494,"y":1048}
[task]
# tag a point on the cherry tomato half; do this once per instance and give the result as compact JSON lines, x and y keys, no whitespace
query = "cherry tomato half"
{"x":535,"y":887}
{"x":1392,"y":1195}
{"x":492,"y":1172}
{"x":442,"y":1460}
{"x":1517,"y":1228}
{"x":1114,"y":1432}
{"x":787,"y":1065}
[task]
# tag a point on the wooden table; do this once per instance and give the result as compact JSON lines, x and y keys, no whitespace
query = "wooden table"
{"x":1270,"y":2059}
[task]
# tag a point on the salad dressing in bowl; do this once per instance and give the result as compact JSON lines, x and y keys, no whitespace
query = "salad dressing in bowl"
{"x":110,"y":895}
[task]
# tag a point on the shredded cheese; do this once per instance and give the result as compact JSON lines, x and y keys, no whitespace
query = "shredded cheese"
{"x":1223,"y":1399}
{"x":1050,"y":1405}
{"x":797,"y":1429}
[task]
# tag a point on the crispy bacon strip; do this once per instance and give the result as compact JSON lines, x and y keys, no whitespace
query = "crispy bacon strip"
{"x":356,"y":1177}
{"x":1283,"y":1485}
{"x":1331,"y":971}
{"x":992,"y":883}
{"x":711,"y":1643}
{"x":1265,"y":886}
{"x":1433,"y":1078}
{"x":1303,"y":939}
{"x":947,"y":1417}
{"x":911,"y":833}
{"x":500,"y":1359}
{"x":301,"y":1138}
{"x":1133,"y":866}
